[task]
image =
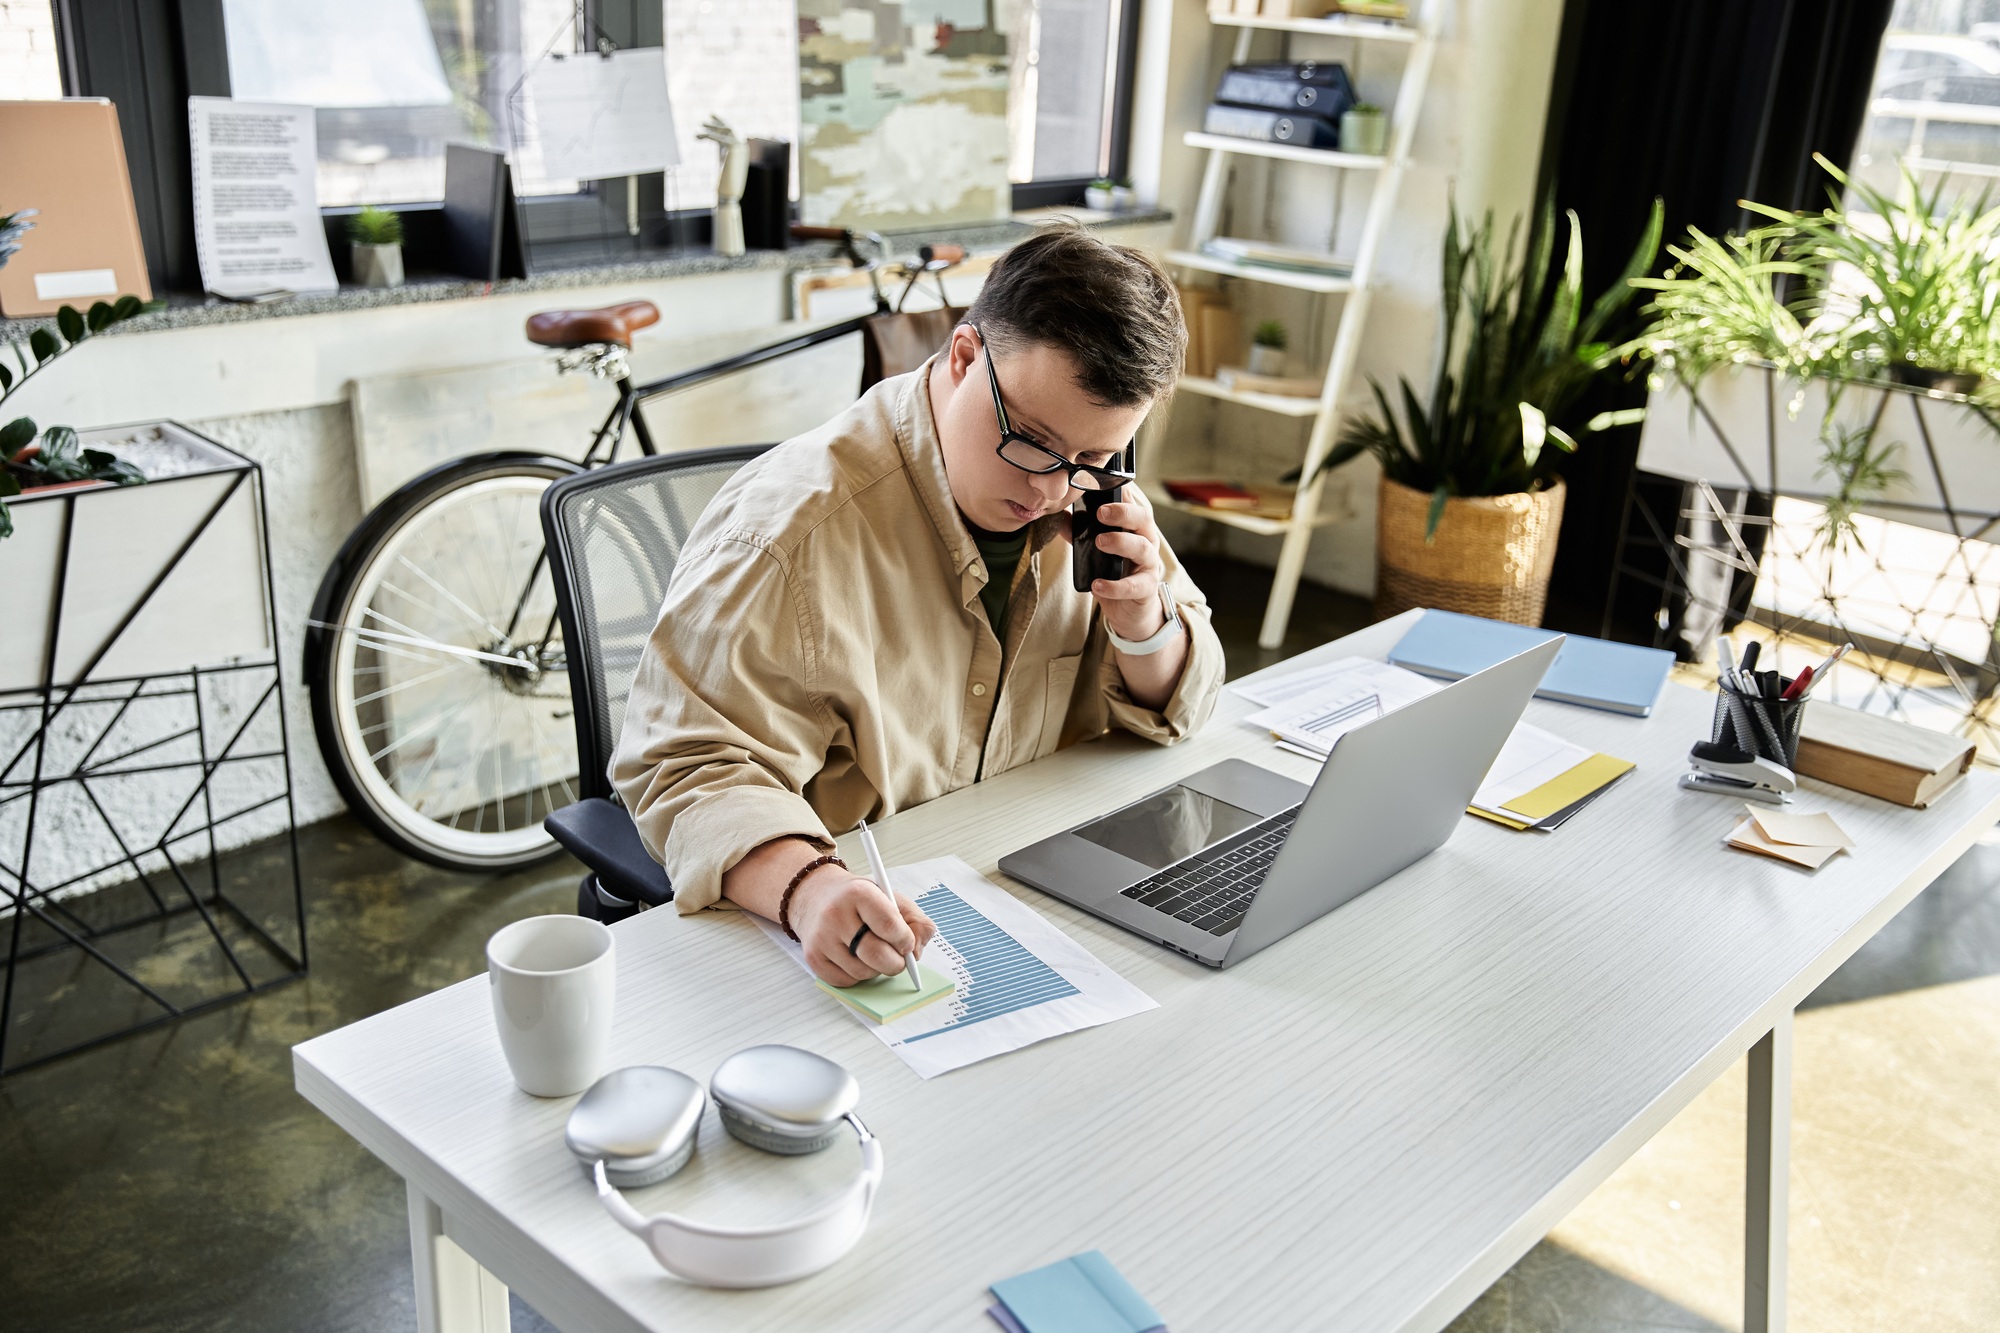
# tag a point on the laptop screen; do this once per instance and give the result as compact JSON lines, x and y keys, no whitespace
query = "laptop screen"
{"x":1168,"y":827}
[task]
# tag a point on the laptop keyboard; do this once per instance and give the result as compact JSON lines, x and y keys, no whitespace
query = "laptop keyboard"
{"x":1213,"y":890}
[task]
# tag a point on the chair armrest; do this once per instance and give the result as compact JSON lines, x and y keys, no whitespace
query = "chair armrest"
{"x":599,"y":833}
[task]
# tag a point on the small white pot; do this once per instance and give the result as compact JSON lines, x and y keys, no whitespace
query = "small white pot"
{"x":1124,"y":198}
{"x":1266,"y":360}
{"x":377,"y":265}
{"x":1104,"y":201}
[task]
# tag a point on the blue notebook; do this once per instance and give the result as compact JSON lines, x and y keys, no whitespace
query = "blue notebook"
{"x":1621,"y":677}
{"x":1080,"y":1294}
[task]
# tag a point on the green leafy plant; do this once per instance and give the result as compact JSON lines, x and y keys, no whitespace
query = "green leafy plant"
{"x":1863,"y":471}
{"x":58,"y":456}
{"x":1907,"y":288}
{"x":1271,"y":333}
{"x":1719,"y":305}
{"x":1519,"y":350}
{"x":375,"y":226}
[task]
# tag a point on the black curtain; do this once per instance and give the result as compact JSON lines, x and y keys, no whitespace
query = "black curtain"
{"x":1702,"y":103}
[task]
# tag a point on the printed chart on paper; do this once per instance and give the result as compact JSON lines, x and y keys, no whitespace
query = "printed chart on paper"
{"x":1020,"y":980}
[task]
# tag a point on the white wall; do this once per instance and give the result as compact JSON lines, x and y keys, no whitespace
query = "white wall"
{"x":1480,"y":136}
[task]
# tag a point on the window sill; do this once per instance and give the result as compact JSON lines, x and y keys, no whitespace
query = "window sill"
{"x":195,"y":311}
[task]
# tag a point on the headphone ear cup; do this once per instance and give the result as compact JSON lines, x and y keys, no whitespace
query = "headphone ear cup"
{"x":762,"y":1136}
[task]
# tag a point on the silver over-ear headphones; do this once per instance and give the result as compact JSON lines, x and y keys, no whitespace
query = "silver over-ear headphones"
{"x":637,"y":1126}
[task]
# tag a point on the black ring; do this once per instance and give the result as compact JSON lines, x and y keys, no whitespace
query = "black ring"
{"x":854,"y":945}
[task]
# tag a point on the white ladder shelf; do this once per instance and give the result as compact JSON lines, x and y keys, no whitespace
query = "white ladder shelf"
{"x":1354,"y":287}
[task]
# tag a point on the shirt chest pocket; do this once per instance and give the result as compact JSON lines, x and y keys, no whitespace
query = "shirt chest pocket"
{"x":1055,"y":701}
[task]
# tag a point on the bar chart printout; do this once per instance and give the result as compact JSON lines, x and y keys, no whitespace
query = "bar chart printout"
{"x":1020,"y":979}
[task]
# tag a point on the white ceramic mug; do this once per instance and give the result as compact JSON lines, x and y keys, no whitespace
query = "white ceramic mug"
{"x":553,"y":980}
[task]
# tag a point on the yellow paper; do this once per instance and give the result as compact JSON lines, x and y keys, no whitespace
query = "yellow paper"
{"x":1559,"y":793}
{"x":886,"y":999}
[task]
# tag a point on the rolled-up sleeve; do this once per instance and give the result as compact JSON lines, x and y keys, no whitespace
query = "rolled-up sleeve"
{"x":722,"y":729}
{"x":1194,"y":695}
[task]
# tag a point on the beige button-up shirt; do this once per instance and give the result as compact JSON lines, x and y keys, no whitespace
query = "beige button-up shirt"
{"x":823,"y":656}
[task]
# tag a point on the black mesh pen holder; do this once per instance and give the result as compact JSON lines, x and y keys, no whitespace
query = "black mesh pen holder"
{"x":1767,"y":728}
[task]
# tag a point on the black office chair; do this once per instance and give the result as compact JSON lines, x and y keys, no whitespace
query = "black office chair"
{"x":613,"y":535}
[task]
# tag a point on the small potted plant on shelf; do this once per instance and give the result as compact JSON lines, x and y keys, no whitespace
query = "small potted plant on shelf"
{"x":34,"y":460}
{"x":1267,"y":348}
{"x":375,"y":243}
{"x":1100,"y":194}
{"x":1364,"y":129}
{"x":1470,"y":503}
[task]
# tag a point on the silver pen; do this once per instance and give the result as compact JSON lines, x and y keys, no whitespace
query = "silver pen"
{"x":881,"y":874}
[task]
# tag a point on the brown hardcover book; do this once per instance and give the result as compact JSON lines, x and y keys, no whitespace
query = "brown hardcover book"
{"x":1879,"y":757}
{"x":1221,"y":336}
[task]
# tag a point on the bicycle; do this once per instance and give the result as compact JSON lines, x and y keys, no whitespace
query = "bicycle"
{"x":433,"y":654}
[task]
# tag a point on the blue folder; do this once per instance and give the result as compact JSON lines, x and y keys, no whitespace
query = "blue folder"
{"x":1596,"y":673}
{"x":1080,"y":1294}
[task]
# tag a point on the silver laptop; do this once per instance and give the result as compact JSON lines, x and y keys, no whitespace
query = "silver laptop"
{"x":1237,"y":857}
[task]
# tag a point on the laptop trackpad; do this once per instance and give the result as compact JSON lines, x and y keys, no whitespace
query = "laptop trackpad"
{"x":1167,"y":826}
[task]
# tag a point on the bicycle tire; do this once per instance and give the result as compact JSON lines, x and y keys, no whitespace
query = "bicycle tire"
{"x":411,"y":514}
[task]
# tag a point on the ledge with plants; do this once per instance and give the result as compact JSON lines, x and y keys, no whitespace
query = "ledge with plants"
{"x":1850,"y":355}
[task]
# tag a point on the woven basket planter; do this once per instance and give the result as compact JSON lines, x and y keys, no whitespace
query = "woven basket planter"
{"x":1491,"y":556}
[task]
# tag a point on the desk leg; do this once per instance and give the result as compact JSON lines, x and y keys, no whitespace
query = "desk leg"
{"x":1769,"y":1163}
{"x":454,"y":1294}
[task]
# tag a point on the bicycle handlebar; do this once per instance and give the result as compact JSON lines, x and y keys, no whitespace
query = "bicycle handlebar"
{"x":942,"y":254}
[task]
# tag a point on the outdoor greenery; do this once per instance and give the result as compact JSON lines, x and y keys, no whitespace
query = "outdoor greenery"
{"x":1270,"y":333}
{"x":375,"y":226}
{"x":1520,"y":349}
{"x":57,"y":456}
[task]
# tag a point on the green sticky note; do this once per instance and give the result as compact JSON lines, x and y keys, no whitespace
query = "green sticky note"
{"x":886,"y":999}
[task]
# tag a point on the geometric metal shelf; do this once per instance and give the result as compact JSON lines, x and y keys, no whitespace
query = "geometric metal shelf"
{"x":129,"y":778}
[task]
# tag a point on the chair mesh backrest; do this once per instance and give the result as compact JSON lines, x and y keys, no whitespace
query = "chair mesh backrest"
{"x":622,"y":531}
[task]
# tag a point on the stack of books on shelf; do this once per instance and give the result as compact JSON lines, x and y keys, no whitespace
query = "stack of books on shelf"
{"x":1274,"y":502}
{"x":1266,"y":255}
{"x":1239,"y":380}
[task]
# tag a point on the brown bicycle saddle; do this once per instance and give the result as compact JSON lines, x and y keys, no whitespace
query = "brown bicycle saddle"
{"x":579,"y":328}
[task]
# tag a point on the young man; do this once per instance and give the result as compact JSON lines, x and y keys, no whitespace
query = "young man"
{"x":881,"y":610}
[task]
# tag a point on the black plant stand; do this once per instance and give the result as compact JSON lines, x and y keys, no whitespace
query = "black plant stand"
{"x":130,"y":778}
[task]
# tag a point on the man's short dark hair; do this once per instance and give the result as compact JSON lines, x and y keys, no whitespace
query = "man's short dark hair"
{"x":1110,"y":308}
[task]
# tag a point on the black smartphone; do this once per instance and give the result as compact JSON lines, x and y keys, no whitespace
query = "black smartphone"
{"x":1087,"y":563}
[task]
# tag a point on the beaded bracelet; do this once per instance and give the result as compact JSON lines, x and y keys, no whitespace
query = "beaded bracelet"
{"x":785,"y":900}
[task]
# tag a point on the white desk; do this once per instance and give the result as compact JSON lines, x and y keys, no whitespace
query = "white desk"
{"x":1360,"y":1128}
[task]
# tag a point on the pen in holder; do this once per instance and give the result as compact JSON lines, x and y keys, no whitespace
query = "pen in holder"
{"x":1752,"y":748}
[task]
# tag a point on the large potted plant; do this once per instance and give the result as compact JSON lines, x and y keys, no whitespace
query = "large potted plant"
{"x":1470,"y":503}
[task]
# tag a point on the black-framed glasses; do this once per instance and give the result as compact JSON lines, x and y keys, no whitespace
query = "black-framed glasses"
{"x":1030,"y":456}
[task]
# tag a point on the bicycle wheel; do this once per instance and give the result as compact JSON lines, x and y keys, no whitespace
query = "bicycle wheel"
{"x":440,"y":691}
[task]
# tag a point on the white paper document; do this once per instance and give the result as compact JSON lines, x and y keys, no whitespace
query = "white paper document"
{"x":255,"y":169}
{"x":1530,"y":758}
{"x":587,"y":117}
{"x":1342,"y":695}
{"x":1020,"y":980}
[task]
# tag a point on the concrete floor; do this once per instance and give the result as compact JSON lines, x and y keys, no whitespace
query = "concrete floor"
{"x":175,"y":1181}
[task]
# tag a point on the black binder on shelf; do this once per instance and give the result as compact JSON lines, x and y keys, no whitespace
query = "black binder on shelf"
{"x":1239,"y":122}
{"x":1296,"y":88}
{"x":482,"y":228}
